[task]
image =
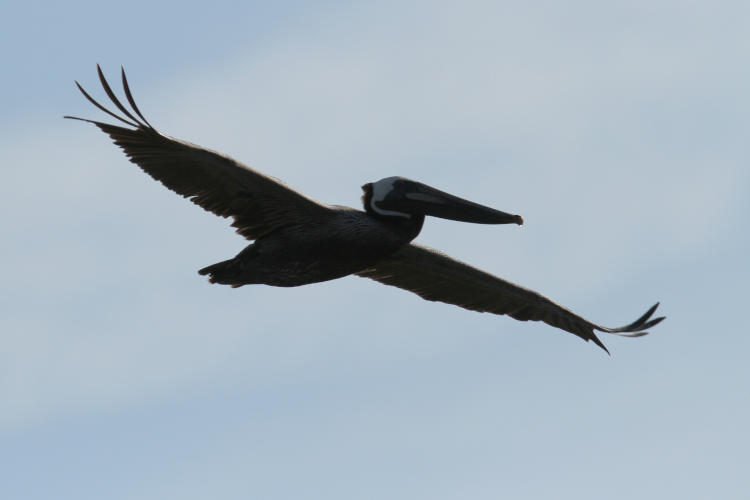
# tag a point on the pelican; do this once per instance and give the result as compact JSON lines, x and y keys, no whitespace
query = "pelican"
{"x":297,"y":240}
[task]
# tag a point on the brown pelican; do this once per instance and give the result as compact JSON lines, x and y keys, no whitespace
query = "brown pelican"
{"x":297,"y":240}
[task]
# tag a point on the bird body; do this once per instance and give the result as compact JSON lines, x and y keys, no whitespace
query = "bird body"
{"x":298,"y":241}
{"x":343,"y":243}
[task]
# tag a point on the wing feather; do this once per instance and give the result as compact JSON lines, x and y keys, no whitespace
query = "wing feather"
{"x":437,"y":277}
{"x":258,"y":203}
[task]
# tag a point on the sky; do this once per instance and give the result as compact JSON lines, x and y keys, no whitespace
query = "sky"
{"x":618,"y":130}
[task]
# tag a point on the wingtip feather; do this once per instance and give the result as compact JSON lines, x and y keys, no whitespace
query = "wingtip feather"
{"x":113,"y":97}
{"x":598,"y":342}
{"x":129,"y":96}
{"x":96,"y":103}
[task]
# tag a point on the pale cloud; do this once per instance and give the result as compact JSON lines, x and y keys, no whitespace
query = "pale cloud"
{"x":618,"y":132}
{"x":487,"y":113}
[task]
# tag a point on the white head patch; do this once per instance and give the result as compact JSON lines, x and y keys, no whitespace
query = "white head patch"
{"x":380,"y":190}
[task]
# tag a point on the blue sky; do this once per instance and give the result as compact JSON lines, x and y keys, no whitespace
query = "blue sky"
{"x":618,"y":131}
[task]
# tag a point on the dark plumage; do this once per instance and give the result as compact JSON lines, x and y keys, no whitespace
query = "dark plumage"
{"x":297,"y":240}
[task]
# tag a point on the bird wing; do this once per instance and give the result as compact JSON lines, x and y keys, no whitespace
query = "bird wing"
{"x":437,"y":277}
{"x":258,"y":203}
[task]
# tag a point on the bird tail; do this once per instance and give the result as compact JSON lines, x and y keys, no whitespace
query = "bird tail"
{"x":228,"y":272}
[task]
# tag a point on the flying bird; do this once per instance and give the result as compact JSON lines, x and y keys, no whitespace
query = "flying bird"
{"x":297,"y":240}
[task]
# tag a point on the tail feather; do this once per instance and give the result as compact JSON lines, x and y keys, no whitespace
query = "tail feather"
{"x":227,"y":272}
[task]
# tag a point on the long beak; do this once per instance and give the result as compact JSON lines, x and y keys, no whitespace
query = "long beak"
{"x":417,"y":198}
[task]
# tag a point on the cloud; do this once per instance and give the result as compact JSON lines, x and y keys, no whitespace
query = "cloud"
{"x":511,"y":108}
